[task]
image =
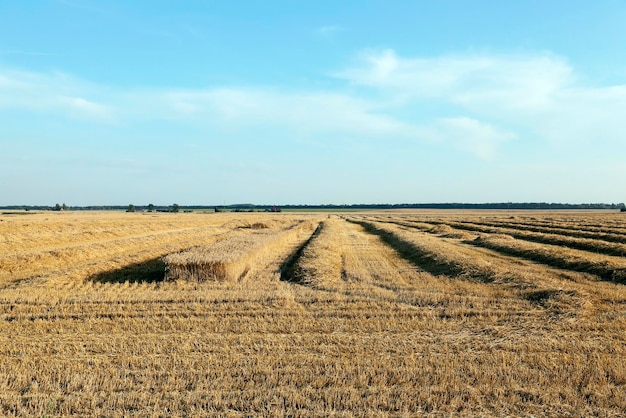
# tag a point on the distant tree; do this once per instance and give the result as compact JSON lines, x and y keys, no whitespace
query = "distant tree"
{"x":175,"y":208}
{"x":151,"y":207}
{"x":64,"y":206}
{"x":57,"y":207}
{"x":131,"y":208}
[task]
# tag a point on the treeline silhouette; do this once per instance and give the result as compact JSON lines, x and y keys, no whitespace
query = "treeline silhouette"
{"x":252,"y":207}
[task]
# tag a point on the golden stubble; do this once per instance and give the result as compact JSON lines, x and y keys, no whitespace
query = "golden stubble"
{"x":376,"y":314}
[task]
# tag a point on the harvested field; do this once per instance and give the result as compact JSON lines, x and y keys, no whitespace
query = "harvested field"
{"x":408,"y":313}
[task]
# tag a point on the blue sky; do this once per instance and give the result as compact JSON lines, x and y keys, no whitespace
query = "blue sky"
{"x":275,"y":102}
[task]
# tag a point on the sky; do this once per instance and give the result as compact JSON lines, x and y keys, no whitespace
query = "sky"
{"x":320,"y":102}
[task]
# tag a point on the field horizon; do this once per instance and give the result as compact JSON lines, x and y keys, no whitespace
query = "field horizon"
{"x":331,"y":206}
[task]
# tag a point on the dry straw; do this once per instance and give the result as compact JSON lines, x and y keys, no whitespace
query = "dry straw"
{"x":320,"y":263}
{"x":370,"y":333}
{"x":235,"y":257}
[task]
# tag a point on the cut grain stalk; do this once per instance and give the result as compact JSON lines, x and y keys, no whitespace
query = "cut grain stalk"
{"x":233,"y":258}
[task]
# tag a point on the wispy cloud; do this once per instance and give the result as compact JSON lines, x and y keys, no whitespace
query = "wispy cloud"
{"x":329,"y":31}
{"x":519,"y":81}
{"x":86,"y":107}
{"x":317,"y":116}
{"x":303,"y":114}
{"x":307,"y":113}
{"x":484,"y":102}
{"x":54,"y":93}
{"x":539,"y":93}
{"x":478,"y":138}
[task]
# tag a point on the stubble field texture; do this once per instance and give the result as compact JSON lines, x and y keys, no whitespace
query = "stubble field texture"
{"x":313,"y":314}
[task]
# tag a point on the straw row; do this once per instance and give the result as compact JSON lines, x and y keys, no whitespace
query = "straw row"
{"x":235,"y":257}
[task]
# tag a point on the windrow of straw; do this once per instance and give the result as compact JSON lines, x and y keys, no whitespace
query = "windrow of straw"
{"x":575,"y":254}
{"x":433,"y":254}
{"x":606,"y":226}
{"x":397,"y":220}
{"x":605,"y":267}
{"x":235,"y":257}
{"x":568,"y":231}
{"x":585,"y":244}
{"x":568,"y":291}
{"x":320,"y":262}
{"x":256,"y":222}
{"x":613,"y":247}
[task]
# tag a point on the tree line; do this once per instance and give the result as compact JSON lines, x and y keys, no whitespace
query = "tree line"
{"x":251,"y":207}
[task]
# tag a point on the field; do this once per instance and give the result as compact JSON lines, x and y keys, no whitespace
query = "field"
{"x":313,"y":314}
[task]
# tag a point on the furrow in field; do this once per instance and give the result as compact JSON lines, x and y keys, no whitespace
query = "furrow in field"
{"x":432,"y":254}
{"x":341,"y":258}
{"x":95,"y":260}
{"x":198,"y":230}
{"x":613,"y":231}
{"x":572,"y":231}
{"x":573,"y":292}
{"x":606,"y":227}
{"x":35,"y":248}
{"x":579,"y":255}
{"x":585,"y":244}
{"x":61,"y":230}
{"x":19,"y":266}
{"x":441,"y":229}
{"x":131,"y":258}
{"x":344,"y":259}
{"x":605,"y":267}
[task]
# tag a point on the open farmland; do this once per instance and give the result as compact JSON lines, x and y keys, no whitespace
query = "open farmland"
{"x":388,"y":313}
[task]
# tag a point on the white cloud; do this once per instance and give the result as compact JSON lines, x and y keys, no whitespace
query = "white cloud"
{"x":316,"y":116}
{"x":538,"y":93}
{"x":565,"y":133}
{"x":471,"y":135}
{"x":86,"y":107}
{"x":520,"y":81}
{"x":54,"y":93}
{"x":482,"y":102}
{"x":328,"y":114}
{"x":583,"y":115}
{"x":302,"y":113}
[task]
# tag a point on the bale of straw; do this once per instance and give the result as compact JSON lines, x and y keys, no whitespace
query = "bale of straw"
{"x":232,"y":258}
